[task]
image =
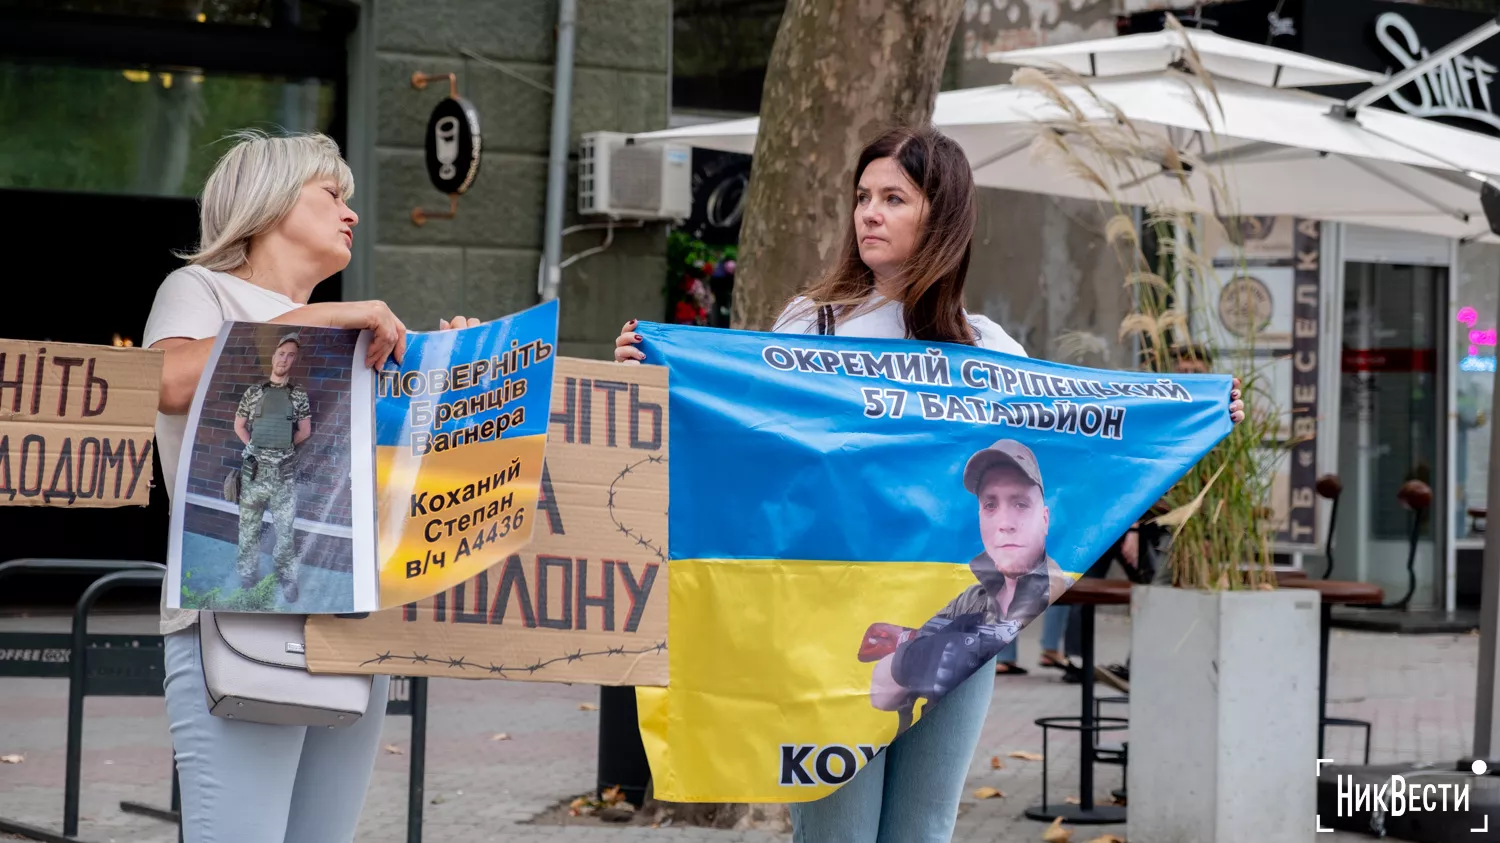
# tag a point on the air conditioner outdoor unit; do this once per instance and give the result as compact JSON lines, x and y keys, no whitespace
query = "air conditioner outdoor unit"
{"x":624,"y":180}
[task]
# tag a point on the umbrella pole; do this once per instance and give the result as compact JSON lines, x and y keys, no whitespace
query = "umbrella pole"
{"x":1486,"y":705}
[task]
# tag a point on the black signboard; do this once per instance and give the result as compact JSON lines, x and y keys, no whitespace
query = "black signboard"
{"x":1371,"y":35}
{"x":453,"y":145}
{"x":721,"y":185}
{"x":1307,"y":277}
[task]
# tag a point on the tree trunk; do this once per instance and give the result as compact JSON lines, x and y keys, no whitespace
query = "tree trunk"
{"x":841,"y":72}
{"x":762,"y":817}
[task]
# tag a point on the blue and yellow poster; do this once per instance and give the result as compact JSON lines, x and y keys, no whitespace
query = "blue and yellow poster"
{"x":460,"y":431}
{"x":857,"y":525}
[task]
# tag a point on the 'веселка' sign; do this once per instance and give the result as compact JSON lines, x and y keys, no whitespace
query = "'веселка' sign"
{"x":76,"y":423}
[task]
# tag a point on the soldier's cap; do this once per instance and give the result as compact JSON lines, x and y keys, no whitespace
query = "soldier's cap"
{"x":1003,"y":452}
{"x":292,"y":337}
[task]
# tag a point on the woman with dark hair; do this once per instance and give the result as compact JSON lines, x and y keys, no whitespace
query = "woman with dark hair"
{"x":901,"y":275}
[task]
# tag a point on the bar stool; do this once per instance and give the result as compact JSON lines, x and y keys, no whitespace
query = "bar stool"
{"x":1086,"y":594}
{"x":1336,"y":592}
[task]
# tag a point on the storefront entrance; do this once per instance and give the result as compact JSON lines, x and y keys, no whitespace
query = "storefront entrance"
{"x":112,"y":122}
{"x":1389,"y":425}
{"x":1417,"y":340}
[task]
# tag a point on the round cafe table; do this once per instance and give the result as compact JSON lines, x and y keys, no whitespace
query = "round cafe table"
{"x":1088,"y":593}
{"x":1085,"y":593}
{"x":1335,"y":593}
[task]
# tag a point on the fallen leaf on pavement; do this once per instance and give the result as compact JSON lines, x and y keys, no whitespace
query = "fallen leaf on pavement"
{"x":12,"y":759}
{"x":393,"y":749}
{"x":1108,"y":838}
{"x":501,"y":737}
{"x":988,"y":793}
{"x":1026,"y":756}
{"x":1055,"y":833}
{"x":996,"y":763}
{"x":587,"y":707}
{"x":1073,"y":800}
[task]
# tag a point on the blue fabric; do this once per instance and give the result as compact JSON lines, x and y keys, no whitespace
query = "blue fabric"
{"x":254,"y":783}
{"x":845,"y":451}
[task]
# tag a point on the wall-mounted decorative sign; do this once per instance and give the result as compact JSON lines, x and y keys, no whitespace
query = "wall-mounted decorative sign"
{"x":452,"y":144}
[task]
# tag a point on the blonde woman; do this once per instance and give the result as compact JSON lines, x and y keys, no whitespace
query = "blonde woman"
{"x":275,"y":224}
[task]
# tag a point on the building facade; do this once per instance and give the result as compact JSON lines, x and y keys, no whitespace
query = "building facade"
{"x":1407,"y":343}
{"x":115,"y":111}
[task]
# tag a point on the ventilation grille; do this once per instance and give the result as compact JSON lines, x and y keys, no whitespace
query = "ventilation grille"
{"x":635,"y":178}
{"x":587,"y":194}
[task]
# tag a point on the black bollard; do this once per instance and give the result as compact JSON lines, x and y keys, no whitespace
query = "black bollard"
{"x":622,"y":755}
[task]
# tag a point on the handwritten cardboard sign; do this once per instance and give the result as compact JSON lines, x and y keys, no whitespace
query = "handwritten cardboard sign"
{"x":586,"y":600}
{"x":76,"y":424}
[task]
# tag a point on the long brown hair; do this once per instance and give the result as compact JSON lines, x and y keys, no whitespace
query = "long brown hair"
{"x":932,"y":279}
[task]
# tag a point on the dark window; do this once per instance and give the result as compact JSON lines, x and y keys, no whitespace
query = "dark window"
{"x":720,"y":49}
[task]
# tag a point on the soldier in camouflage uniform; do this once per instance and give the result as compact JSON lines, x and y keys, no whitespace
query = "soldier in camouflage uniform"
{"x":273,"y":418}
{"x":1017,"y":581}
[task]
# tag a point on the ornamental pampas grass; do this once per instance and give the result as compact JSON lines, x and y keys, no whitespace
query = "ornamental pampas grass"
{"x":1217,"y":512}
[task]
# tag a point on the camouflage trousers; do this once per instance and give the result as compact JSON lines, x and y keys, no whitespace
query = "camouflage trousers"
{"x":273,"y":488}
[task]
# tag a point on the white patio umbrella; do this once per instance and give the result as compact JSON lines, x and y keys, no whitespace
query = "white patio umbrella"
{"x":1277,"y":151}
{"x":1223,"y":58}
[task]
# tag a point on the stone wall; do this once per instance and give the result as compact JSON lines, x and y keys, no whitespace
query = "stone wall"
{"x":485,"y":262}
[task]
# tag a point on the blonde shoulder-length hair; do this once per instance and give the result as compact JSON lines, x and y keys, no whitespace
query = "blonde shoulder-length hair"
{"x":254,"y":186}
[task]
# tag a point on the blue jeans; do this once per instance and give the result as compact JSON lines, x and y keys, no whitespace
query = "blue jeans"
{"x":254,"y":783}
{"x":909,"y":792}
{"x":1054,"y":624}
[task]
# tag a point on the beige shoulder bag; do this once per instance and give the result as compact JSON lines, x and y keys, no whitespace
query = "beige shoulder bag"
{"x":255,"y":669}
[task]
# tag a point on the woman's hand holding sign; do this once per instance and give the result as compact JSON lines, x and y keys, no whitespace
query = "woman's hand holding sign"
{"x":625,"y":350}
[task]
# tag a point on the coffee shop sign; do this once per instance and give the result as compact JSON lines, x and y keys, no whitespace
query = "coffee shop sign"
{"x":1458,"y":87}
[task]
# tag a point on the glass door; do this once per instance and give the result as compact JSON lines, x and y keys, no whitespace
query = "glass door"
{"x":1474,"y":311}
{"x":1389,"y":430}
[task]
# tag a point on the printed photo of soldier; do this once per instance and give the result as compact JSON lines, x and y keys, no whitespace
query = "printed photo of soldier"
{"x":274,"y":417}
{"x":266,"y":477}
{"x":1017,"y":581}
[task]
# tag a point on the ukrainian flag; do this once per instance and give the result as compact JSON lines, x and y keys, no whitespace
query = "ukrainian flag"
{"x":835,"y":524}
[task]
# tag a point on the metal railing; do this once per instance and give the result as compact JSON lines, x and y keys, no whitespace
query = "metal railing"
{"x":133,"y":665}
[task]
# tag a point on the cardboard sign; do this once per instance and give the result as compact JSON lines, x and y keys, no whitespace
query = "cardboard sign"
{"x":76,"y":424}
{"x":586,"y":601}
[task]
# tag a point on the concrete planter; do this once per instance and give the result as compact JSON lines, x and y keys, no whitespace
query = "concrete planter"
{"x":1223,"y":716}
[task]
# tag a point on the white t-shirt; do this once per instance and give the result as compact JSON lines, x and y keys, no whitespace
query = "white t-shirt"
{"x":193,"y":303}
{"x":882,"y":319}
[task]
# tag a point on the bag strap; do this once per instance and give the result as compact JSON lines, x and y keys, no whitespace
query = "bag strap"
{"x":825,"y":320}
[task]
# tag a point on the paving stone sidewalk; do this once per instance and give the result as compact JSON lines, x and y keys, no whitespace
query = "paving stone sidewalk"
{"x":1418,"y":691}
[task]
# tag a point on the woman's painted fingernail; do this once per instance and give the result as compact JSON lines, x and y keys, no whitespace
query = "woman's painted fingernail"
{"x":638,"y":337}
